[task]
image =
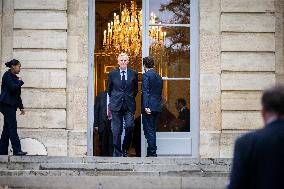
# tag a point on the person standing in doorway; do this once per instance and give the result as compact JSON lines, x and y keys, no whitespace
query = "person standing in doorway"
{"x":10,"y":100}
{"x":102,"y":123}
{"x":183,"y":116}
{"x":122,"y":87}
{"x":152,"y":86}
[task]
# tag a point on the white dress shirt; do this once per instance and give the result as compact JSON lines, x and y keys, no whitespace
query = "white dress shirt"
{"x":121,"y":74}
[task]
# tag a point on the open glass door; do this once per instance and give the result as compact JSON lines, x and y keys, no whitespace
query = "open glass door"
{"x":167,"y":38}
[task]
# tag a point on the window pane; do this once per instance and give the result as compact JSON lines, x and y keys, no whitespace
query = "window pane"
{"x":169,"y":11}
{"x":170,"y":48}
{"x":175,"y":116}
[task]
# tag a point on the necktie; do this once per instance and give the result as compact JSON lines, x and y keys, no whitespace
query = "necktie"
{"x":123,"y":80}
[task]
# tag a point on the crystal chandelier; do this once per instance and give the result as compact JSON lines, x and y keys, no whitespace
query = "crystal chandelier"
{"x":124,"y":33}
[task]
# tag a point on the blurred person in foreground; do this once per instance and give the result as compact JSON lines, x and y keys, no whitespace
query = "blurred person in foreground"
{"x":259,"y":156}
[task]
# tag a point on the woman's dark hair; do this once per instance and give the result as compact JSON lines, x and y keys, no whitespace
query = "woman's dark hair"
{"x":12,"y":62}
{"x":148,"y":62}
{"x":273,"y":100}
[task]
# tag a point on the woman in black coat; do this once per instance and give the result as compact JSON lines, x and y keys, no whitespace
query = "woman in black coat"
{"x":10,"y":100}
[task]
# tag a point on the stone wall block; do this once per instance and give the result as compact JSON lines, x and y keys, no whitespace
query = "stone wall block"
{"x":40,"y":20}
{"x":44,"y":98}
{"x":44,"y":78}
{"x":210,"y":102}
{"x":41,"y":4}
{"x":244,"y":22}
{"x":247,"y":61}
{"x":41,"y":58}
{"x":43,"y":118}
{"x":247,"y":81}
{"x":247,"y":6}
{"x":38,"y":39}
{"x":241,"y":120}
{"x":241,"y":100}
{"x":248,"y":42}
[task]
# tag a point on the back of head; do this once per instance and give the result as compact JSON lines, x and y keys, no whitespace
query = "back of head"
{"x":181,"y":101}
{"x":148,"y":62}
{"x":273,"y":100}
{"x":12,"y":62}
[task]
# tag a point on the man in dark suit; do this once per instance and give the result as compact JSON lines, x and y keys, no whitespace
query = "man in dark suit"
{"x":183,"y":116}
{"x":122,"y":88}
{"x":152,"y":86}
{"x":102,"y":122}
{"x":259,"y":156}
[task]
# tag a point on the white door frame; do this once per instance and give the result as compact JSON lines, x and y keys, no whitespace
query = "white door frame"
{"x":194,"y":73}
{"x":90,"y":100}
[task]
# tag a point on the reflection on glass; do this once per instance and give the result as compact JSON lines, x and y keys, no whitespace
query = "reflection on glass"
{"x":171,"y":11}
{"x":175,"y":116}
{"x":171,"y":54}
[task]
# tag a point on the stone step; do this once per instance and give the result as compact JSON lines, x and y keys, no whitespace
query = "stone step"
{"x":115,"y":164}
{"x":128,"y":160}
{"x":114,"y":182}
{"x":108,"y":172}
{"x":15,"y":173}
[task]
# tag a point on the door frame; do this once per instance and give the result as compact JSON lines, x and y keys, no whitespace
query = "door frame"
{"x":90,"y":98}
{"x":194,"y":73}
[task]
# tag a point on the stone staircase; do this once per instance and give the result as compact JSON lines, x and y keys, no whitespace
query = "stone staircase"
{"x":107,"y":172}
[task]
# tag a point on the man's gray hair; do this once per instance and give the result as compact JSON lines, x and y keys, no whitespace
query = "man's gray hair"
{"x":123,"y":54}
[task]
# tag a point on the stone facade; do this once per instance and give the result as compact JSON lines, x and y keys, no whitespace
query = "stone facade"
{"x":241,"y":54}
{"x":52,"y":47}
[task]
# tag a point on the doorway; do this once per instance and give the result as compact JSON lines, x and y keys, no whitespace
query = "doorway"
{"x":173,"y":43}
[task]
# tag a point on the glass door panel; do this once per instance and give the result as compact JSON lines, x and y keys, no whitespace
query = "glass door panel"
{"x":172,"y":55}
{"x":175,"y":115}
{"x":170,"y":11}
{"x":168,"y":41}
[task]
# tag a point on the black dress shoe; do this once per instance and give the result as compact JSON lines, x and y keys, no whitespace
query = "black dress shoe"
{"x":20,"y":153}
{"x":151,"y":155}
{"x":124,"y":153}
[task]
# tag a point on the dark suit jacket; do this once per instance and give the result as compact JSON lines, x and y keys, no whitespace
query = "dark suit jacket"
{"x":11,"y":90}
{"x":152,"y":86}
{"x":100,"y":111}
{"x":184,"y":116}
{"x":117,"y":93}
{"x":259,"y":159}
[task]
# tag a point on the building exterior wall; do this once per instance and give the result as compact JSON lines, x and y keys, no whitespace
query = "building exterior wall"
{"x":237,"y":62}
{"x":241,"y":54}
{"x":52,"y":47}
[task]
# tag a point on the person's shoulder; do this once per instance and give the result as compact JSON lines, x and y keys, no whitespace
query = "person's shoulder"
{"x":7,"y":73}
{"x":146,"y":75}
{"x":157,"y":75}
{"x":131,"y":70}
{"x":113,"y":71}
{"x":248,"y":138}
